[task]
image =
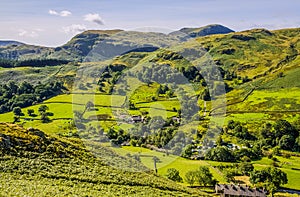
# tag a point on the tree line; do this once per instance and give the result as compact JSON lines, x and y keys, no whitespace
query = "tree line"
{"x":7,"y":63}
{"x":25,"y":94}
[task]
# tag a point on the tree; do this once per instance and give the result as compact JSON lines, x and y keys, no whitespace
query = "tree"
{"x":187,"y":151}
{"x":271,"y":178}
{"x":229,"y":175}
{"x":283,"y":127}
{"x":17,"y":111}
{"x":286,"y":142}
{"x":44,"y":115}
{"x":204,"y":176}
{"x":43,"y":109}
{"x":190,"y":177}
{"x":173,"y":174}
{"x":220,"y":153}
{"x":16,"y":119}
{"x":30,"y":112}
{"x":246,"y":168}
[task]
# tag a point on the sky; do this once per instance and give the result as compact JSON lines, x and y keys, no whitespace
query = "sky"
{"x":54,"y":22}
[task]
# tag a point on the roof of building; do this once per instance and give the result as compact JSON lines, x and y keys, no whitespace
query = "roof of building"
{"x":136,"y":118}
{"x":240,"y":190}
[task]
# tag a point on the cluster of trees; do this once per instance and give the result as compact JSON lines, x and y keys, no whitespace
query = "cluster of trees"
{"x":225,"y":154}
{"x":282,"y":134}
{"x":156,"y":131}
{"x":6,"y":63}
{"x":237,"y":169}
{"x":109,"y":77}
{"x":166,"y":74}
{"x":173,"y":174}
{"x":236,"y":129}
{"x":43,"y":112}
{"x":202,"y":176}
{"x":25,"y":94}
{"x":117,"y":137}
{"x":270,"y":178}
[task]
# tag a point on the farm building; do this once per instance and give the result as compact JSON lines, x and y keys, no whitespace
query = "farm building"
{"x":136,"y":119}
{"x":230,"y":190}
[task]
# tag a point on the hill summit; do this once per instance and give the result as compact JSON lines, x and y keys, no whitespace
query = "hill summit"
{"x":206,"y":30}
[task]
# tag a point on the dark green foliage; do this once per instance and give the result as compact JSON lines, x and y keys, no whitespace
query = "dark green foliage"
{"x":17,"y":111}
{"x":191,"y":177}
{"x":238,"y":130}
{"x":282,"y":134}
{"x":202,"y":176}
{"x":43,"y":109}
{"x":187,"y":151}
{"x":6,"y":63}
{"x":30,"y":112}
{"x":229,"y":175}
{"x":246,"y":168}
{"x":205,"y":95}
{"x":220,"y":153}
{"x":166,"y":74}
{"x":173,"y":175}
{"x":272,"y":178}
{"x":25,"y":94}
{"x":44,"y":114}
{"x":251,"y":153}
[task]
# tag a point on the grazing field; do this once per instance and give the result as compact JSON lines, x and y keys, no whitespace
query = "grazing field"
{"x":289,"y":165}
{"x":63,"y":107}
{"x":169,"y":161}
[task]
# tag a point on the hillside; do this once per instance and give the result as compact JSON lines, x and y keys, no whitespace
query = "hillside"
{"x":24,"y":51}
{"x":34,"y":163}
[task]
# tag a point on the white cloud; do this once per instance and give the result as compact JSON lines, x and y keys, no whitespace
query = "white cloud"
{"x":95,"y":18}
{"x":29,"y":33}
{"x":63,"y":13}
{"x":74,"y":29}
{"x":52,"y":12}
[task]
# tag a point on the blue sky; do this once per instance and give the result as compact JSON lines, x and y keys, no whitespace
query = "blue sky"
{"x":54,"y":22}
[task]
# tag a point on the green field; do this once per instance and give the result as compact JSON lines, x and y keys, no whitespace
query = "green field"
{"x":286,"y":165}
{"x":168,"y":161}
{"x":184,"y":165}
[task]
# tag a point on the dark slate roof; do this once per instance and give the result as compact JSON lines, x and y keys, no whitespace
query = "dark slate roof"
{"x":240,"y":190}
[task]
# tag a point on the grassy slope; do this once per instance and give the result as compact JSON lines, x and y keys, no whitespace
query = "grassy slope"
{"x":36,"y":164}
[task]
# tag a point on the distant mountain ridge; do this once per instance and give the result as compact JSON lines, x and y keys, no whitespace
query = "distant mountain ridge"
{"x":10,"y":42}
{"x":114,"y":42}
